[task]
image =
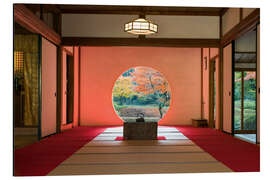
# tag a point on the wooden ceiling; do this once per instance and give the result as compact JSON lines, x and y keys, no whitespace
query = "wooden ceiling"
{"x":148,"y":10}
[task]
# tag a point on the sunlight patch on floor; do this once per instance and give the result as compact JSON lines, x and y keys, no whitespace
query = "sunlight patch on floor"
{"x":248,"y":137}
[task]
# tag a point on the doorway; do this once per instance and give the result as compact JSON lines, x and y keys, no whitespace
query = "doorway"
{"x":244,"y":99}
{"x":26,"y":87}
{"x":212,"y":93}
{"x":69,"y":88}
{"x":245,"y":103}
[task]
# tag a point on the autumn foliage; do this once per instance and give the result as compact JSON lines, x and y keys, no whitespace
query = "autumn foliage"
{"x":149,"y":81}
{"x":142,"y":86}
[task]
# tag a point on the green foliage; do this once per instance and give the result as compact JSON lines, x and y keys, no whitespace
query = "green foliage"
{"x":249,"y":87}
{"x":249,"y":114}
{"x":118,"y":107}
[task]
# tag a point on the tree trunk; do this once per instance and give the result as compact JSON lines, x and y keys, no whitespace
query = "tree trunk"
{"x":160,"y":110}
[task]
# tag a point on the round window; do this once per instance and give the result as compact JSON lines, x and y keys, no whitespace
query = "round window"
{"x":141,"y":93}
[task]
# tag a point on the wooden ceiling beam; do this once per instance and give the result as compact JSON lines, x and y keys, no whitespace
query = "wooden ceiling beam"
{"x":175,"y":13}
{"x":130,"y":10}
{"x":223,"y":11}
{"x":246,"y":25}
{"x":53,"y":8}
{"x":159,"y":42}
{"x":31,"y":22}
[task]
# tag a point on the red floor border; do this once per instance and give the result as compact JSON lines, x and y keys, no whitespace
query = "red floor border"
{"x":42,"y":157}
{"x":238,"y":155}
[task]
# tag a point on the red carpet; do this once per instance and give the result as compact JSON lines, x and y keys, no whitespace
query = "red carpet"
{"x":40,"y":158}
{"x":120,"y":138}
{"x":238,"y":155}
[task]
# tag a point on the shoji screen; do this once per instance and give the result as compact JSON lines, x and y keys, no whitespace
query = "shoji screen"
{"x":227,"y":88}
{"x":48,"y":81}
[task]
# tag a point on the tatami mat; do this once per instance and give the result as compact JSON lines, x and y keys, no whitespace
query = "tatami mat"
{"x":138,"y":158}
{"x":104,"y":155}
{"x":111,"y":134}
{"x":147,"y":168}
{"x":140,"y":149}
{"x":141,"y":143}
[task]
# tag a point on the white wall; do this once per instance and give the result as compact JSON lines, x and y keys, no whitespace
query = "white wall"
{"x":105,"y":25}
{"x":95,"y":25}
{"x":186,"y":26}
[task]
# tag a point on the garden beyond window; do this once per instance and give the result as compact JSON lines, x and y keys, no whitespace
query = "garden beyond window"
{"x":141,"y":91}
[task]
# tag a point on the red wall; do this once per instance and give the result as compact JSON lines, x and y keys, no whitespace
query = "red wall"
{"x":101,"y":66}
{"x":213,"y":52}
{"x":76,"y":87}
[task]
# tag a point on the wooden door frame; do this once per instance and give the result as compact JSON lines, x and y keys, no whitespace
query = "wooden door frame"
{"x":70,"y":98}
{"x":63,"y":127}
{"x":212,"y":70}
{"x":242,"y":131}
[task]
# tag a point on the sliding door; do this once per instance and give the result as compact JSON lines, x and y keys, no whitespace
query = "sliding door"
{"x":227,"y":88}
{"x":48,"y":101}
{"x":245,"y":86}
{"x":245,"y":102}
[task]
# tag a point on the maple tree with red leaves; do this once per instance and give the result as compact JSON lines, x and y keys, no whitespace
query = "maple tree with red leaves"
{"x":148,"y":81}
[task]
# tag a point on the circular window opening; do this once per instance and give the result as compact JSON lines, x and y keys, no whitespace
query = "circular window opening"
{"x":141,"y":92}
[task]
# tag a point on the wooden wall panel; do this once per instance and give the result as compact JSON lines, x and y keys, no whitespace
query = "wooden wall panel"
{"x":214,"y":54}
{"x":227,"y":88}
{"x":206,"y":83}
{"x":64,"y":88}
{"x":48,"y":111}
{"x":247,"y":11}
{"x":217,"y":99}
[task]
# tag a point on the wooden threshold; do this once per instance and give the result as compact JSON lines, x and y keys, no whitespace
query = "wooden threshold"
{"x":245,"y":132}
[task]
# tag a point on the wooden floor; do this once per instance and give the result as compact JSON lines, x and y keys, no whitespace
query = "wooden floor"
{"x":21,"y":141}
{"x":139,"y":157}
{"x":24,"y":136}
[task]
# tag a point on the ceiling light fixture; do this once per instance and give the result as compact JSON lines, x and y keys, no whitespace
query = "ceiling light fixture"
{"x":141,"y":26}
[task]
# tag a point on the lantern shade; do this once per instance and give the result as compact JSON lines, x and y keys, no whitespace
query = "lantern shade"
{"x":141,"y":26}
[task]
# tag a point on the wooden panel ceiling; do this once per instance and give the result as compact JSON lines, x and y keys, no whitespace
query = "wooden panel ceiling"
{"x":149,"y":10}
